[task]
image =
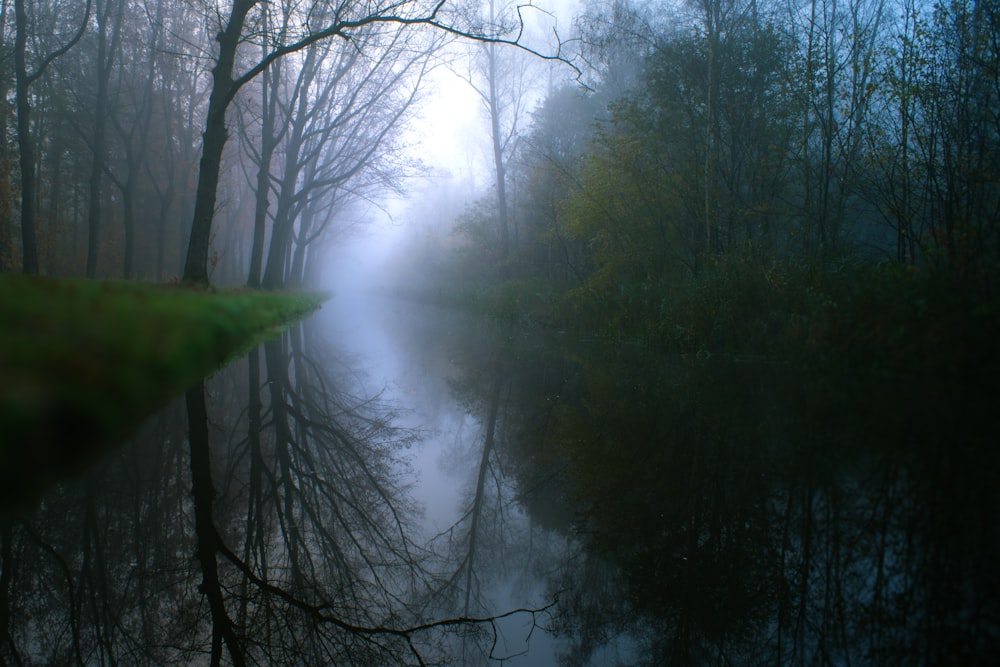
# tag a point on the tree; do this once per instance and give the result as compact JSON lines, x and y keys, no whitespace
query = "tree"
{"x":270,"y":135}
{"x":109,"y":14}
{"x":341,"y":118}
{"x":837,"y":44}
{"x":547,"y":169}
{"x":501,"y":83}
{"x":7,"y":196}
{"x":24,"y":78}
{"x":339,"y":21}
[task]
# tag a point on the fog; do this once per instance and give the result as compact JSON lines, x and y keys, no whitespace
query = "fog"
{"x":660,"y":332}
{"x":449,"y":137}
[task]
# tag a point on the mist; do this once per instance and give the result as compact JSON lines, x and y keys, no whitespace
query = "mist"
{"x":654,"y":333}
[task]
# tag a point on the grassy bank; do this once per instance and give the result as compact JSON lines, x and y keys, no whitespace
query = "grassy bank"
{"x":83,"y":363}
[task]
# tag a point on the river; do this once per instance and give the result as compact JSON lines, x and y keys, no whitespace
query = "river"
{"x":391,"y":483}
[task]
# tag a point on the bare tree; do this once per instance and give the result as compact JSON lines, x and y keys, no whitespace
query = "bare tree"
{"x":109,"y":14}
{"x":341,"y":146}
{"x":501,"y":80}
{"x":838,"y":43}
{"x":343,"y":21}
{"x":24,"y":78}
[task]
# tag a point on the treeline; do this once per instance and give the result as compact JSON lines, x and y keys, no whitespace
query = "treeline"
{"x":760,"y":149}
{"x":108,"y":105}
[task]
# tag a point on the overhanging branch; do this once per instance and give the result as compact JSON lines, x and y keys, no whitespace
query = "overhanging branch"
{"x":343,"y":28}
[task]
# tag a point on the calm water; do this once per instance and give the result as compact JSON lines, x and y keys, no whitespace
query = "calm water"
{"x":359,"y":490}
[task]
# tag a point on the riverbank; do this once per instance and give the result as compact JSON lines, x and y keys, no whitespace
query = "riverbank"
{"x":84,"y":362}
{"x":854,"y":316}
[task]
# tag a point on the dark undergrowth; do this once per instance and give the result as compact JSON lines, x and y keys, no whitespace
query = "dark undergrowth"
{"x":849,"y":315}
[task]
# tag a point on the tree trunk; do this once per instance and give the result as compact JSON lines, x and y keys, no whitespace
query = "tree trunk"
{"x":6,"y":196}
{"x":296,"y":275}
{"x":105,"y":61}
{"x":284,"y":218}
{"x":500,"y":168}
{"x":267,"y":146}
{"x":29,"y":243}
{"x":213,"y":142}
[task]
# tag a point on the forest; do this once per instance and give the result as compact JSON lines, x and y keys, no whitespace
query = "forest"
{"x":755,"y":144}
{"x":749,"y":176}
{"x":170,"y":140}
{"x":700,"y":370}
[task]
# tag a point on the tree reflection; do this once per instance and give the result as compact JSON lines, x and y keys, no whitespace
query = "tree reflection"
{"x":492,"y":552}
{"x":756,"y":515}
{"x":91,"y":576}
{"x":729,"y":512}
{"x":682,"y":511}
{"x":289,"y":543}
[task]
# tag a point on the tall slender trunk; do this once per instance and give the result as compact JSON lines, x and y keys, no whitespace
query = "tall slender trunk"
{"x":166,"y":199}
{"x":107,"y":46}
{"x":829,"y":128}
{"x":5,"y":194}
{"x":128,"y":222}
{"x":708,"y":167}
{"x":256,"y":528}
{"x":278,"y":383}
{"x":26,"y":147}
{"x":51,"y":259}
{"x":499,"y":166}
{"x":296,"y":275}
{"x":476,"y":511}
{"x":136,"y":151}
{"x":25,"y":144}
{"x":267,"y":146}
{"x":806,"y":167}
{"x":213,"y":142}
{"x":284,"y":218}
{"x":268,"y":143}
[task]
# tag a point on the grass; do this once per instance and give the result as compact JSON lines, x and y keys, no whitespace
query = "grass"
{"x":84,"y":362}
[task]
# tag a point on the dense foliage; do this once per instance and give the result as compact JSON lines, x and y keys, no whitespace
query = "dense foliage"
{"x":777,"y":175}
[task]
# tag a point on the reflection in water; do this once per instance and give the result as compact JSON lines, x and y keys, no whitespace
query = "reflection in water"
{"x":718,"y":512}
{"x":757,"y":515}
{"x":682,"y":511}
{"x":262,"y":521}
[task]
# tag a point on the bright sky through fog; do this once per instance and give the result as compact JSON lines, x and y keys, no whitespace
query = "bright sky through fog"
{"x":454,"y":126}
{"x":451,"y":135}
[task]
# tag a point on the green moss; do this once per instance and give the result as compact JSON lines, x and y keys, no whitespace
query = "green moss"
{"x":84,"y":362}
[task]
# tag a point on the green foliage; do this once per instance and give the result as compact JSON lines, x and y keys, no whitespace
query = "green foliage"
{"x":82,"y":363}
{"x":729,"y":205}
{"x":628,"y":212}
{"x":854,"y":316}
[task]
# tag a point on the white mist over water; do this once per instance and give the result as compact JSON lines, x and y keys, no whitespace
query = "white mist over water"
{"x":401,"y":352}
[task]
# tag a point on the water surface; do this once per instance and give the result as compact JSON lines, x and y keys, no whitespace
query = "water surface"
{"x":385,"y":467}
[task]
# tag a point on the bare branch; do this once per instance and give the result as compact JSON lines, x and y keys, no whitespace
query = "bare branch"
{"x":317,"y":611}
{"x":343,"y":28}
{"x":64,"y":48}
